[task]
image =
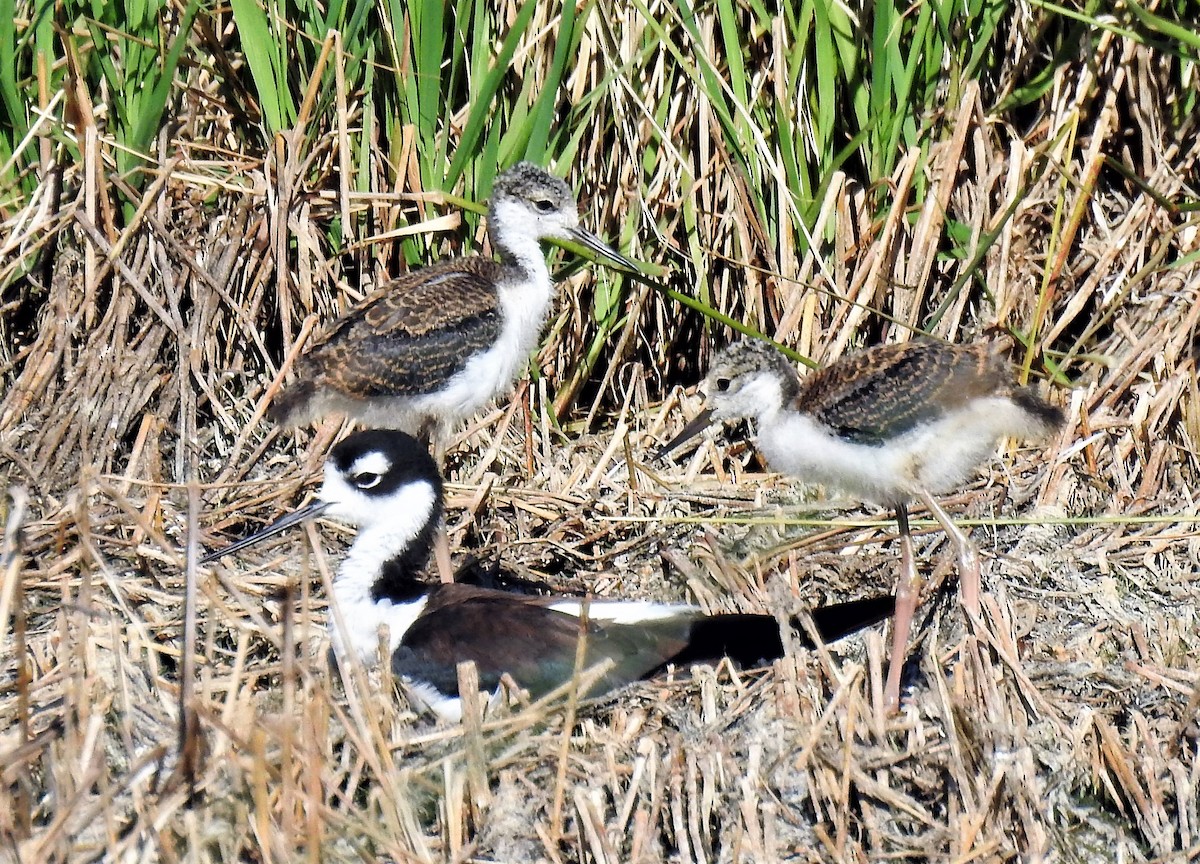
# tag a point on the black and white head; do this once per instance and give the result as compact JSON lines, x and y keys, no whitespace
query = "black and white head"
{"x":381,"y":475}
{"x":381,"y":480}
{"x":527,"y":201}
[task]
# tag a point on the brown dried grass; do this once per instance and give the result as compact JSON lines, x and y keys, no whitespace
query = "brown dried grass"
{"x":1065,"y":732}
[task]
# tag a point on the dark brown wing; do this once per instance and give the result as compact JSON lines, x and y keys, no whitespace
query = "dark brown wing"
{"x":885,"y":391}
{"x":506,"y":633}
{"x":412,"y":334}
{"x":519,"y":635}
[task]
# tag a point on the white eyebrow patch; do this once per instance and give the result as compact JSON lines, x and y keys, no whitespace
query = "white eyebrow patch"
{"x":371,"y":463}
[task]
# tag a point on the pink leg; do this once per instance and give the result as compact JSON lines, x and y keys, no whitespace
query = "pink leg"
{"x":434,"y":436}
{"x":970,"y":574}
{"x":441,"y":555}
{"x":908,"y":592}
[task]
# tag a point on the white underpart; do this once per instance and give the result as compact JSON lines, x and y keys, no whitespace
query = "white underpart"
{"x":623,"y":611}
{"x":488,"y":374}
{"x":378,"y":541}
{"x":426,"y":697}
{"x":934,"y":457}
{"x":524,"y":306}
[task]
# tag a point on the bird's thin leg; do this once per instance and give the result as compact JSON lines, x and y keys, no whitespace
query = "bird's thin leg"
{"x":438,"y":439}
{"x":432,"y":435}
{"x":970,"y":575}
{"x":908,"y":592}
{"x":441,"y":554}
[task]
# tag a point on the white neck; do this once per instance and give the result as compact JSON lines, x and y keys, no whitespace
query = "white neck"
{"x":516,"y":235}
{"x":377,"y":543}
{"x":525,"y":299}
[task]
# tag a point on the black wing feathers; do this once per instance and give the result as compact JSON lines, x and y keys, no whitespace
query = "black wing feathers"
{"x":519,"y":635}
{"x":501,"y":633}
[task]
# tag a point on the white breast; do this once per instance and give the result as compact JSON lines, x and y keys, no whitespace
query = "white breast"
{"x":363,"y":618}
{"x":488,"y":374}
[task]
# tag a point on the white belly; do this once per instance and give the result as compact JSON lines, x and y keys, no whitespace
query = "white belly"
{"x":934,"y":457}
{"x":487,"y":375}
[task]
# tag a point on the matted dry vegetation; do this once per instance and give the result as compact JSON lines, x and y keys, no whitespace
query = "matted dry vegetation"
{"x":138,"y":363}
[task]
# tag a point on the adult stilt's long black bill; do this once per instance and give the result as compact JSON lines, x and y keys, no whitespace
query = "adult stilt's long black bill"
{"x":312,"y":511}
{"x":699,"y":423}
{"x":591,"y":242}
{"x":841,"y":619}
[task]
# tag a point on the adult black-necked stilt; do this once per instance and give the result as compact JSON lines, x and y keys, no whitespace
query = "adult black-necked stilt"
{"x":888,"y":425}
{"x":385,"y":482}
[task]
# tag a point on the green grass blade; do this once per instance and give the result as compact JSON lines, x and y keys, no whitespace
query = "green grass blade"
{"x":547,"y":102}
{"x":259,"y":44}
{"x":150,"y":114}
{"x":428,"y":38}
{"x":482,"y":107}
{"x":1164,"y":27}
{"x":14,"y":104}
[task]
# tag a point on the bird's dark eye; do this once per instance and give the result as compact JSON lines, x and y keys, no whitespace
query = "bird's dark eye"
{"x":723,"y":385}
{"x":367,"y":479}
{"x":544,"y":205}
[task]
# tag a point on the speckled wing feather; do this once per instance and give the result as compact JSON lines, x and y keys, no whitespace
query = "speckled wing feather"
{"x":412,"y":334}
{"x":507,"y":633}
{"x":883,"y":392}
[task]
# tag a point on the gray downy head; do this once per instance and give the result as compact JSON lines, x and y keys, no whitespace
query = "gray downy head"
{"x":748,"y":379}
{"x":527,"y":202}
{"x":532,"y":185}
{"x":526,"y":198}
